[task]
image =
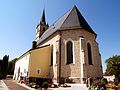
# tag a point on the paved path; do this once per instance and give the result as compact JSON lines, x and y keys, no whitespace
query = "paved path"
{"x":3,"y":85}
{"x":12,"y":85}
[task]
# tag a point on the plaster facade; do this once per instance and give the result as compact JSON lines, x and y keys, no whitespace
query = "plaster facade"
{"x":21,"y":66}
{"x":86,"y":59}
{"x":79,"y":69}
{"x":33,"y":64}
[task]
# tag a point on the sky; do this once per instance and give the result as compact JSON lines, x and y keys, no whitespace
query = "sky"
{"x":19,"y":18}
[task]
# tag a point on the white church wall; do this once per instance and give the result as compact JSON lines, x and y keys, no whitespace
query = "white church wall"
{"x":22,"y":63}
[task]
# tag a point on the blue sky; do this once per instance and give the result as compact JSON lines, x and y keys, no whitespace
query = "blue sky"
{"x":18,"y":20}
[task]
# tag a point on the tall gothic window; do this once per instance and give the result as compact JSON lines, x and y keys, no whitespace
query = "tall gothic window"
{"x":89,"y":54}
{"x":69,"y":52}
{"x":51,"y":62}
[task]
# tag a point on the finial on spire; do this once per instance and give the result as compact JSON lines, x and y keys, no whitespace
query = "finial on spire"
{"x":43,"y":21}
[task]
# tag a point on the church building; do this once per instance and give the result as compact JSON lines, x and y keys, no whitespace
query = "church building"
{"x":74,"y":51}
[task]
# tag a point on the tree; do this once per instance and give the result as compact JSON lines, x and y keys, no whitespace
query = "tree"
{"x":5,"y":66}
{"x":1,"y":69}
{"x":113,"y":67}
{"x":11,"y":66}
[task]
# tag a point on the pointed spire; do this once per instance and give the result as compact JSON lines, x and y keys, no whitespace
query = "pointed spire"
{"x":47,"y":24}
{"x":43,"y":21}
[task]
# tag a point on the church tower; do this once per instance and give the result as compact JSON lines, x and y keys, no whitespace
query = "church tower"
{"x":41,"y":27}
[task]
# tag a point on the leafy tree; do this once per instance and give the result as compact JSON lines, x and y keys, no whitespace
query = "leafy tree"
{"x":113,"y":67}
{"x":11,"y":66}
{"x":5,"y":66}
{"x":1,"y":71}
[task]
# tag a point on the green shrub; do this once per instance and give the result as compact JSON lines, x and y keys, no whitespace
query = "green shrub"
{"x":103,"y":81}
{"x":62,"y":80}
{"x":45,"y":85}
{"x":94,"y":85}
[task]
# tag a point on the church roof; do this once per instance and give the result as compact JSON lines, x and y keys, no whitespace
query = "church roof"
{"x":71,"y":19}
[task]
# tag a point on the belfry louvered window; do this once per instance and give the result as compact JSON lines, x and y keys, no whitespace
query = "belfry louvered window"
{"x":89,"y":54}
{"x":69,"y":52}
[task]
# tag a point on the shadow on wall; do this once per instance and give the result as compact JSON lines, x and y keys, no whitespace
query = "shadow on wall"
{"x":51,"y":73}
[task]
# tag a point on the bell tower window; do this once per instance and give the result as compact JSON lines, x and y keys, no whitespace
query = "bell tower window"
{"x":43,"y":29}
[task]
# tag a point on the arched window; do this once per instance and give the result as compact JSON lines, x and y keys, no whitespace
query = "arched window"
{"x":89,"y":54}
{"x":51,"y":62}
{"x":43,"y":29}
{"x":69,"y":52}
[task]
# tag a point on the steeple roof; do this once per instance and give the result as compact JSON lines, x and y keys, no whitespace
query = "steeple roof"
{"x":43,"y":20}
{"x":70,"y":20}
